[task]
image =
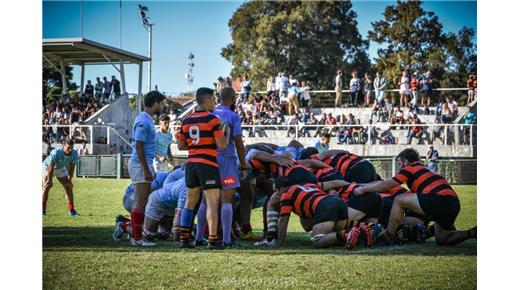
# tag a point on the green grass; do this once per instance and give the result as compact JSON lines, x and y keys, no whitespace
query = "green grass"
{"x":78,"y":253}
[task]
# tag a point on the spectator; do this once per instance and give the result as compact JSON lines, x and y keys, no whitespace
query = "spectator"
{"x":258,"y":127}
{"x":305,"y":95}
{"x":107,"y":90}
{"x":472,"y":84}
{"x":427,"y":87}
{"x":117,"y":87}
{"x":471,"y":119}
{"x":271,"y":86}
{"x":221,"y":83}
{"x":404,"y":89}
{"x":367,"y":89}
{"x":246,"y":88}
{"x":380,"y":87}
{"x":278,"y":84}
{"x":292,"y":81}
{"x":322,"y":144}
{"x":98,"y":89}
{"x":284,"y":88}
{"x":357,"y":131}
{"x":83,"y":150}
{"x":346,"y":133}
{"x":453,"y":106}
{"x":433,"y":159}
{"x":397,"y":116}
{"x":414,"y":86}
{"x":293,"y":106}
{"x":304,"y":119}
{"x":387,"y":137}
{"x":416,"y":132}
{"x":436,"y":131}
{"x":89,"y":89}
{"x":330,"y":120}
{"x":370,"y":130}
{"x":292,"y":122}
{"x":355,"y":88}
{"x":377,"y":112}
{"x":446,"y":114}
{"x":338,"y":82}
{"x":388,"y":109}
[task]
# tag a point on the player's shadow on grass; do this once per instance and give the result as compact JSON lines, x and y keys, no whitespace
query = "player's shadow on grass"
{"x":297,"y":243}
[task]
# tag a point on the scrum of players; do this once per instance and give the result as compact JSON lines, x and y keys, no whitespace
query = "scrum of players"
{"x":337,"y":195}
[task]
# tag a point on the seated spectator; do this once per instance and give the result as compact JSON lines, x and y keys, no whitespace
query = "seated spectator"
{"x":377,"y":111}
{"x":346,"y":133}
{"x":436,"y":131}
{"x":371,"y":131}
{"x":453,"y":106}
{"x":416,"y":132}
{"x":357,"y":131}
{"x":387,"y":137}
{"x":322,"y":144}
{"x":387,"y":109}
{"x":446,"y":114}
{"x":292,"y":122}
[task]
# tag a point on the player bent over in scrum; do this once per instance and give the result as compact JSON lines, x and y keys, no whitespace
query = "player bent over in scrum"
{"x":162,"y":212}
{"x":431,"y":196}
{"x":327,"y":211}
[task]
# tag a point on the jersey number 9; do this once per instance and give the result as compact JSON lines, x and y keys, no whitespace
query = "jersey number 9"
{"x":194,"y":132}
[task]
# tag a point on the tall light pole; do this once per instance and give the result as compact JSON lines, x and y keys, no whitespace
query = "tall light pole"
{"x":148,"y":26}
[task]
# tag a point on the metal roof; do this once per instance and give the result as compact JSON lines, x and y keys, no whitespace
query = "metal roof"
{"x":84,"y":51}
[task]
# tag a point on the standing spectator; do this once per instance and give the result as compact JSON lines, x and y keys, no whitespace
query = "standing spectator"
{"x":472,"y":84}
{"x":278,"y":84}
{"x":117,"y":87}
{"x":305,"y":95}
{"x":367,"y":89}
{"x":89,"y":89}
{"x":271,"y":86}
{"x":433,"y":159}
{"x":453,"y":106}
{"x":83,"y":150}
{"x":98,"y":89}
{"x":380,"y":87}
{"x":471,"y":119}
{"x":338,"y":88}
{"x":404,"y":89}
{"x":246,"y":88}
{"x":292,"y":80}
{"x":322,"y":144}
{"x":427,"y":87}
{"x":414,"y":86}
{"x":107,"y":89}
{"x":293,"y":100}
{"x":371,"y":131}
{"x":284,"y":88}
{"x":355,"y":88}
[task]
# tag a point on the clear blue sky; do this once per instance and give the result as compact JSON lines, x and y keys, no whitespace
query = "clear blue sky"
{"x":197,"y":26}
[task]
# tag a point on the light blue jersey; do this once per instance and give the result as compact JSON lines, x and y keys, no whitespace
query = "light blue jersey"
{"x":157,"y":183}
{"x":144,"y":130}
{"x":174,"y":176}
{"x":173,"y":195}
{"x":163,"y":141}
{"x":58,"y":158}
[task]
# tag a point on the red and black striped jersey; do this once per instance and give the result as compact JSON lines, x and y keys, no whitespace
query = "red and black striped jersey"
{"x":274,"y":170}
{"x":343,"y":162}
{"x":345,"y":191}
{"x":421,"y":180}
{"x":199,"y":130}
{"x":394,"y":191}
{"x":327,"y":174}
{"x":302,"y":200}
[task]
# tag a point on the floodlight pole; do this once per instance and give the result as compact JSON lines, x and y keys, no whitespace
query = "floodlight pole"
{"x":150,"y":56}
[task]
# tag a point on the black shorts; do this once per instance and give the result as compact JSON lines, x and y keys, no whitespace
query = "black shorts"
{"x":330,"y":175}
{"x":388,"y":202}
{"x":330,"y":208}
{"x":203,"y":176}
{"x":301,"y":176}
{"x":370,"y":203}
{"x":443,"y":210}
{"x":361,"y":172}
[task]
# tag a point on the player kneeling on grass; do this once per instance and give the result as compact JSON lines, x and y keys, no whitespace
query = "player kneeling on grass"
{"x":328,"y":212}
{"x":162,"y":212}
{"x":60,"y":163}
{"x":431,"y":196}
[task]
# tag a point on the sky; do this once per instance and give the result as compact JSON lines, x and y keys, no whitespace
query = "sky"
{"x":196,"y":26}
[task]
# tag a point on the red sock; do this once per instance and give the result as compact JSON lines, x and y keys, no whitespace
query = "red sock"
{"x":70,"y":206}
{"x":137,"y":223}
{"x":44,"y":205}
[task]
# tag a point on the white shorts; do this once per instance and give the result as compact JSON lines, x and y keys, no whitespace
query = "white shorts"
{"x":155,"y":210}
{"x":58,"y":172}
{"x":128,"y":201}
{"x":160,"y":166}
{"x":136,"y":171}
{"x":404,"y":90}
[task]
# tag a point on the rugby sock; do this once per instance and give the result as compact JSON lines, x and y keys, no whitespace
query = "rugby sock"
{"x":201,"y":221}
{"x":212,"y":239}
{"x":246,"y":228}
{"x":340,"y":236}
{"x":186,"y":223}
{"x":226,"y":217}
{"x":70,"y":206}
{"x":272,"y":225}
{"x":137,"y":223}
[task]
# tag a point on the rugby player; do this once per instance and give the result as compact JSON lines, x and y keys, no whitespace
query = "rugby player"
{"x":140,"y":165}
{"x":201,"y":133}
{"x":163,"y":139}
{"x":431,"y":196}
{"x":60,"y":163}
{"x":352,"y":167}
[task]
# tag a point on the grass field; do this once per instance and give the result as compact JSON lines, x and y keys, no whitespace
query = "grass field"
{"x":78,"y":253}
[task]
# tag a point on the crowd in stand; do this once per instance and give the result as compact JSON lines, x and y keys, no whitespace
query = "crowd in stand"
{"x":75,"y":109}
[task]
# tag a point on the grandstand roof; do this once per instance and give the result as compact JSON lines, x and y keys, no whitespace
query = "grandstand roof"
{"x":84,"y":51}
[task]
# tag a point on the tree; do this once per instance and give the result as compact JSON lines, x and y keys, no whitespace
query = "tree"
{"x":310,"y":40}
{"x":52,"y":77}
{"x":414,"y":40}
